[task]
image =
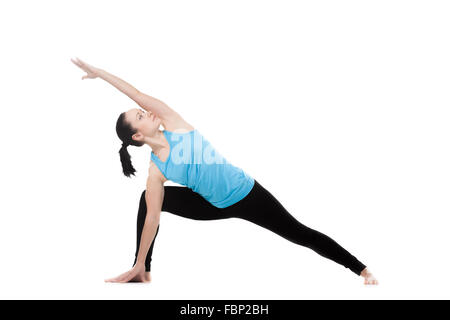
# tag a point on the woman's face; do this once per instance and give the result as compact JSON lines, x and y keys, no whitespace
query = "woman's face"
{"x":145,"y":123}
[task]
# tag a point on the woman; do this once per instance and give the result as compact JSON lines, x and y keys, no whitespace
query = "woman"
{"x":214,"y":188}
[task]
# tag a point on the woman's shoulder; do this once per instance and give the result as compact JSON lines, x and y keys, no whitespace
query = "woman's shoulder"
{"x":177,"y":124}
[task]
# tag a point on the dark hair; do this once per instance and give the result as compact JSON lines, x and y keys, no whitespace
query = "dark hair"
{"x":125,"y":131}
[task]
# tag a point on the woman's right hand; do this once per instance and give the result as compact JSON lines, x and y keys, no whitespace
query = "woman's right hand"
{"x":91,"y":72}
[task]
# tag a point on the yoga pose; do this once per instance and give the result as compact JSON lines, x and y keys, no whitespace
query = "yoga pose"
{"x":212,"y":188}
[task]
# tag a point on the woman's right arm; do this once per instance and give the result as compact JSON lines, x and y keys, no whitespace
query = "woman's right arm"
{"x":146,"y":102}
{"x":151,"y":104}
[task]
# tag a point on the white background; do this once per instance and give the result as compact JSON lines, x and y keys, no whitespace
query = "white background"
{"x":339,"y":108}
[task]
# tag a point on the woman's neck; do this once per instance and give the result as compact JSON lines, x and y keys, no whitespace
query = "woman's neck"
{"x":156,"y":142}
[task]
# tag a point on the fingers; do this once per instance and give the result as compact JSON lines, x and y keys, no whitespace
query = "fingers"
{"x":88,"y":76}
{"x":370,"y":281}
{"x":80,"y":64}
{"x":76,"y":62}
{"x":85,"y":66}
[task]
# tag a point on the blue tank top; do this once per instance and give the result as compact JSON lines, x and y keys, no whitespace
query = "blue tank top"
{"x":194,"y":163}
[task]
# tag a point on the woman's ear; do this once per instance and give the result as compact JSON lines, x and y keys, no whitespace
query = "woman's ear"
{"x":138,"y":136}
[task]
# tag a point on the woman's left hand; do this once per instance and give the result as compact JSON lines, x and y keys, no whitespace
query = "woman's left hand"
{"x":91,"y":72}
{"x":136,"y":274}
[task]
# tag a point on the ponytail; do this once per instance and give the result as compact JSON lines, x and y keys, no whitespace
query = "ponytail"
{"x":125,"y":133}
{"x":125,"y":158}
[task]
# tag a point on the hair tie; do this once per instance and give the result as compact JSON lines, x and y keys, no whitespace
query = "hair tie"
{"x":124,"y":145}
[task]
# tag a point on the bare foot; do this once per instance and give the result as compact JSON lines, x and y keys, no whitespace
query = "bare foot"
{"x":368,"y":277}
{"x":146,"y":278}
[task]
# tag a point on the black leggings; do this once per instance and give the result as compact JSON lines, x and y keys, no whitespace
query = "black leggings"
{"x":259,"y":207}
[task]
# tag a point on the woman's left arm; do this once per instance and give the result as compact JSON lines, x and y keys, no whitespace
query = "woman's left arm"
{"x":151,"y":104}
